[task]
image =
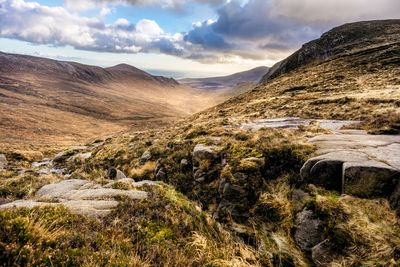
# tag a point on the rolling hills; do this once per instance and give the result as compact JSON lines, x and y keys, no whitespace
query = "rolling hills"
{"x":48,"y":101}
{"x":249,"y":78}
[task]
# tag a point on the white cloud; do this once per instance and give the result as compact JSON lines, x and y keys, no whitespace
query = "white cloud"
{"x":149,"y":27}
{"x":80,"y":5}
{"x":105,"y":11}
{"x":58,"y":26}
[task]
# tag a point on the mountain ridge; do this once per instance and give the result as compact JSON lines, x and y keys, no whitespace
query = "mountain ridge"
{"x":226,"y":82}
{"x":39,"y":95}
{"x":339,"y":40}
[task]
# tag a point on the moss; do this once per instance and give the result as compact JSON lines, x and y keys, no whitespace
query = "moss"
{"x":122,"y":186}
{"x":247,"y":166}
{"x":272,"y":208}
{"x":241,"y":151}
{"x":17,"y":187}
{"x":333,"y":216}
{"x":49,"y":236}
{"x":195,"y":132}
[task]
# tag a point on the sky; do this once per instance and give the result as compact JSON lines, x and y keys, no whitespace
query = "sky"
{"x":176,"y":38}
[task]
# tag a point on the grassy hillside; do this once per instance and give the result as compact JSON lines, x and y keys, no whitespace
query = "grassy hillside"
{"x":239,"y":203}
{"x":44,"y":101}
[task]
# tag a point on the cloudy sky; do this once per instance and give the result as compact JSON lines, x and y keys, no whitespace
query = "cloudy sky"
{"x":176,"y":38}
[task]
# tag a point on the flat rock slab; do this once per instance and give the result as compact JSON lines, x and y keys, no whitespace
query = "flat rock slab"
{"x":80,"y":196}
{"x":91,"y":208}
{"x":292,"y":123}
{"x":384,"y":148}
{"x":358,"y":164}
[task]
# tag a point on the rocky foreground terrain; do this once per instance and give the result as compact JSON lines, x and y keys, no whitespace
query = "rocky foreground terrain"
{"x":301,"y":171}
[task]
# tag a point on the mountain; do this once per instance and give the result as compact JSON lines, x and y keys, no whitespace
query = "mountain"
{"x":267,"y":178}
{"x":45,"y":101}
{"x":348,"y":37}
{"x":352,"y":77}
{"x":226,"y":82}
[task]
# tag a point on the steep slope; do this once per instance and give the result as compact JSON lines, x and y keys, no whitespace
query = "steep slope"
{"x":348,"y":37}
{"x":47,"y":101}
{"x":226,"y":82}
{"x":359,"y":81}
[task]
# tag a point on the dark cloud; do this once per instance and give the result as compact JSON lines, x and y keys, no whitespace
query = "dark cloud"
{"x":259,"y":29}
{"x":204,"y":35}
{"x":248,"y":30}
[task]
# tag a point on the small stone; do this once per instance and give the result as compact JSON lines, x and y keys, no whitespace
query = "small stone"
{"x":116,"y":174}
{"x":259,"y":161}
{"x":299,"y":198}
{"x":202,"y":152}
{"x":146,"y":156}
{"x":161,"y":175}
{"x":184,"y":165}
{"x":308,"y":230}
{"x":199,"y":176}
{"x":3,"y":161}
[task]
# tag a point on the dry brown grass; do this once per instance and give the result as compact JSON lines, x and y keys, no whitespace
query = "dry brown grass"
{"x":50,"y":105}
{"x":341,"y":87}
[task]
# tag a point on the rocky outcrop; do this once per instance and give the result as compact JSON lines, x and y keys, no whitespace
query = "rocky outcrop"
{"x":80,"y":196}
{"x":351,"y":172}
{"x":68,"y":153}
{"x":205,"y":163}
{"x":202,"y":152}
{"x":160,"y":172}
{"x":115,"y":174}
{"x":146,"y":156}
{"x":308,"y":230}
{"x":340,"y":40}
{"x":293,"y":123}
{"x":3,"y":161}
{"x":239,"y":188}
{"x":358,"y":164}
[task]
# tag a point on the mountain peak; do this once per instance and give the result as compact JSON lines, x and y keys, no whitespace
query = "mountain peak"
{"x":343,"y":39}
{"x":126,"y":67}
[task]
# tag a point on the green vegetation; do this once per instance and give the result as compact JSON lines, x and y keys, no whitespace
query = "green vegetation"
{"x":165,"y":229}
